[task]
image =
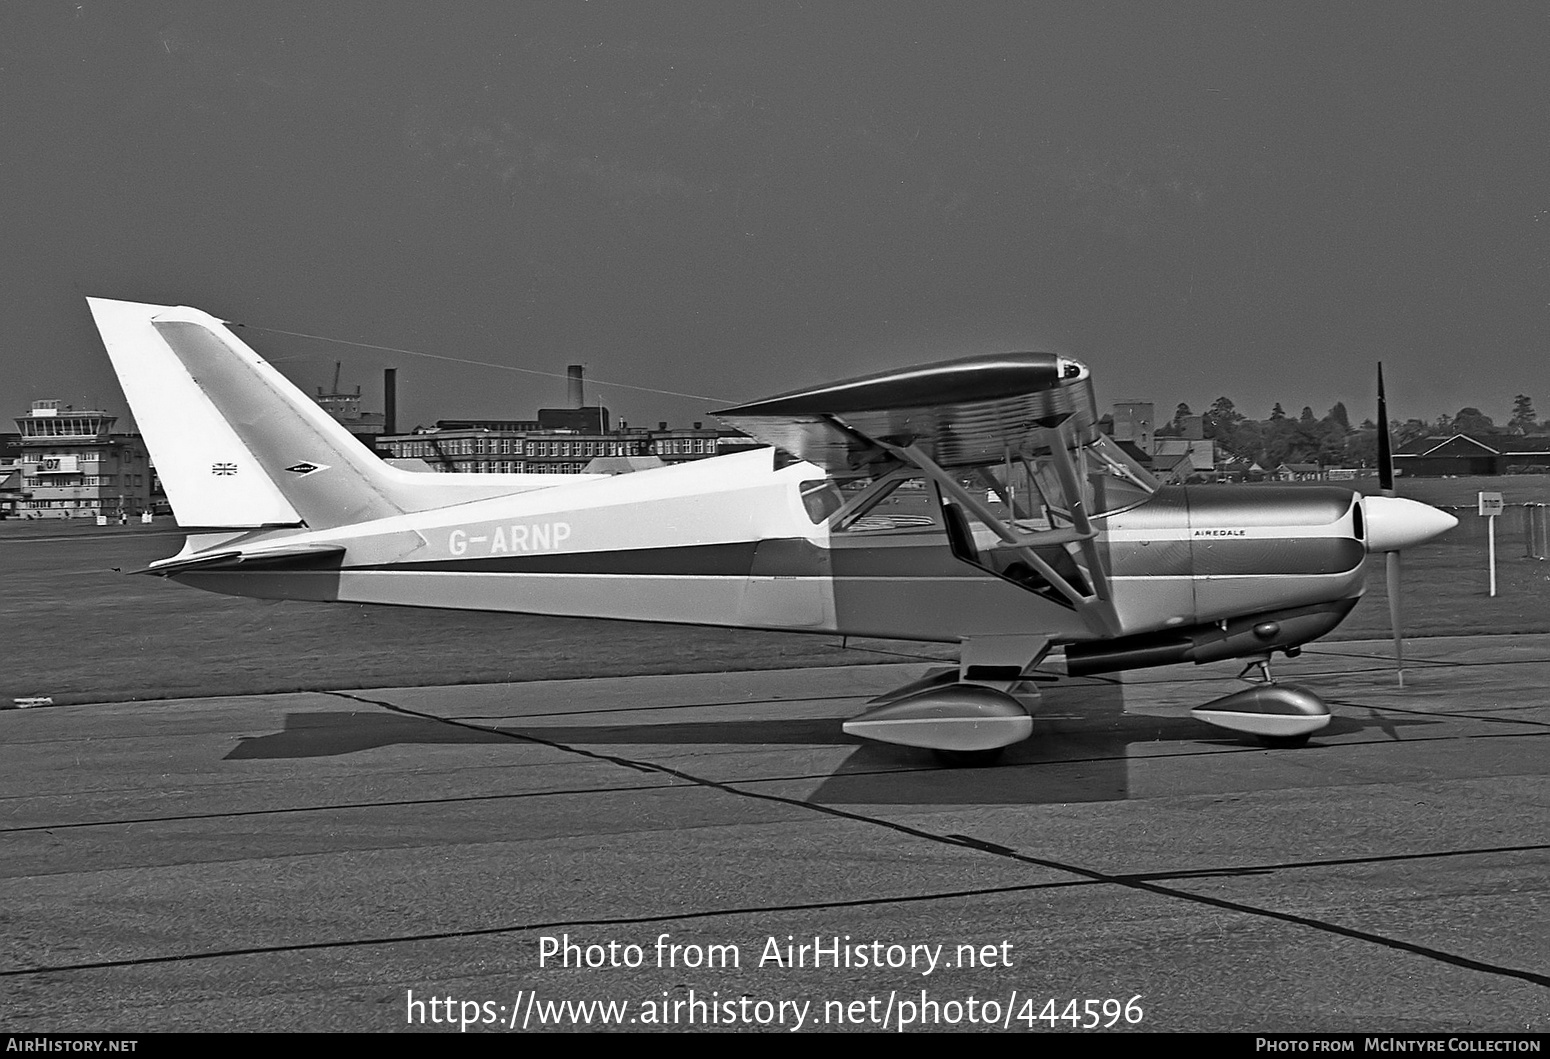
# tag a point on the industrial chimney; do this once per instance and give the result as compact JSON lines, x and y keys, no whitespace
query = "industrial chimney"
{"x":573,"y":384}
{"x":390,"y":400}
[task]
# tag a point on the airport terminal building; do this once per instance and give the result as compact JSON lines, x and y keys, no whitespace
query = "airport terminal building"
{"x":74,"y":466}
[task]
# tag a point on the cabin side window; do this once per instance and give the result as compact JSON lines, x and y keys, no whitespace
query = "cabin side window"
{"x":894,"y":503}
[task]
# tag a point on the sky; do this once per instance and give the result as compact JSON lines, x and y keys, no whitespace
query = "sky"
{"x":714,"y":202}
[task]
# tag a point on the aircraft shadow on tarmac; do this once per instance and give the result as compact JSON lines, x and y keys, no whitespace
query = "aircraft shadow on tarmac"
{"x":331,"y":733}
{"x":1079,"y":751}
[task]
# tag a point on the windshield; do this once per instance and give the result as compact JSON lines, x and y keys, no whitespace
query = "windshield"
{"x":1110,"y":482}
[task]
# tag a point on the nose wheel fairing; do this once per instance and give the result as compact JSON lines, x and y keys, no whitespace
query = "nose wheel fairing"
{"x":1269,"y":711}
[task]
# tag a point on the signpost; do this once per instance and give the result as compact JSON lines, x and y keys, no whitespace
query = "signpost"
{"x":1490,"y":507}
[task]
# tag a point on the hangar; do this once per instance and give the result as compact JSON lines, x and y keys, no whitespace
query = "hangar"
{"x":1473,"y":454}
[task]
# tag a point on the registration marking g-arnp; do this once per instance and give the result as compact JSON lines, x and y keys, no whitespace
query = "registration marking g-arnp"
{"x":519,"y":537}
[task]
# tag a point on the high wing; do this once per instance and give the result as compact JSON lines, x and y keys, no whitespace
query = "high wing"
{"x":958,"y":412}
{"x":970,"y":425}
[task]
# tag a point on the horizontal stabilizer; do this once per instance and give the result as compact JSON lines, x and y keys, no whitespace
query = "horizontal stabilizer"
{"x":296,"y":556}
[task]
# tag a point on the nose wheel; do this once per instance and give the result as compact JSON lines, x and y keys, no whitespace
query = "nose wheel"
{"x":969,"y":759}
{"x":1284,"y":742}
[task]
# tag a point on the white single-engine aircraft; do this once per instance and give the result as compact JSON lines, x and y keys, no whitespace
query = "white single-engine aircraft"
{"x":972,"y":502}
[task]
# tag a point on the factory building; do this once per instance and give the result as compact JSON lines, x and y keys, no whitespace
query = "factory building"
{"x":1135,"y":422}
{"x":1167,"y":455}
{"x":472,"y":447}
{"x":345,"y":407}
{"x":73,"y":465}
{"x":69,"y":463}
{"x":559,"y":441}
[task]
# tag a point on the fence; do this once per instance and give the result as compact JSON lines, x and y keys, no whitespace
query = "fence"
{"x":1534,"y":531}
{"x":1532,"y":525}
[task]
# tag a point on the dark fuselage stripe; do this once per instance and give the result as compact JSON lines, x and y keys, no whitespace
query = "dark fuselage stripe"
{"x":798,"y":558}
{"x":696,"y":560}
{"x":1213,"y":556}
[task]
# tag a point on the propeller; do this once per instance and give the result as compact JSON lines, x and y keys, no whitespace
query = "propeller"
{"x":1394,"y":523}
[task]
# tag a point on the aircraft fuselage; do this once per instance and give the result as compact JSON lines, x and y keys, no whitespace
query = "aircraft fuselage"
{"x":729,"y":542}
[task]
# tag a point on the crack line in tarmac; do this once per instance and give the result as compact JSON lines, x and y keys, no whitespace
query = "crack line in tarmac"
{"x":857,"y":774}
{"x":1385,"y":663}
{"x":1090,"y":680}
{"x":791,"y":778}
{"x":336,"y":807}
{"x":962,"y":841}
{"x":1143,"y":882}
{"x":1430,"y":663}
{"x":1381,"y":669}
{"x":479,"y":932}
{"x":475,"y":717}
{"x":1444,"y":713}
{"x":627,"y":710}
{"x":716,"y":913}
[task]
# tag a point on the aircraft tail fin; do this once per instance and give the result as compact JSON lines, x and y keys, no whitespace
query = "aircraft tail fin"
{"x":235,"y":443}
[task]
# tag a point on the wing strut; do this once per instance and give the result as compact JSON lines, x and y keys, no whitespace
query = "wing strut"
{"x":1066,"y":471}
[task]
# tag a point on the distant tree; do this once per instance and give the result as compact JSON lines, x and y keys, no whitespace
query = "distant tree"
{"x":1331,"y":442}
{"x":1175,"y":427}
{"x":1523,"y":417}
{"x":1472,"y":421}
{"x":1304,"y":439}
{"x":1246,"y":441}
{"x":1281,"y":439}
{"x":1338,"y":415}
{"x":1277,"y":412}
{"x":1279,"y":445}
{"x":1221,"y":419}
{"x":1361,"y":446}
